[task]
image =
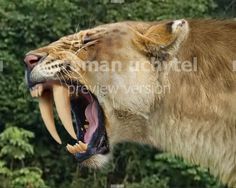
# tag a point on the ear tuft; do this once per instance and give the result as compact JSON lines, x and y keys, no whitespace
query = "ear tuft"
{"x":179,"y":25}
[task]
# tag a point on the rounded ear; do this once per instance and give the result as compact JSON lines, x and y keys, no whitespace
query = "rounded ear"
{"x":163,"y":37}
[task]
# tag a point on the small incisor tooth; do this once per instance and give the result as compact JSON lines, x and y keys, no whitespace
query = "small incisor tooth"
{"x":37,"y":90}
{"x":34,"y":92}
{"x":40,"y":89}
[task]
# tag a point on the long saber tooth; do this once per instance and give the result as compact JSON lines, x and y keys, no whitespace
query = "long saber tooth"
{"x":46,"y":109}
{"x":62,"y":103}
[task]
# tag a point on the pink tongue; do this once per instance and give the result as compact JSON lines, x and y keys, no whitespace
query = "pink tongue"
{"x":92,"y":117}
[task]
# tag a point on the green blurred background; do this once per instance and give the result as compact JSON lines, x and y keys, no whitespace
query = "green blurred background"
{"x":29,"y":158}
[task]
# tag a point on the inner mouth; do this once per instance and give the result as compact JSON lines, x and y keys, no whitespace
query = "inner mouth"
{"x":91,"y":136}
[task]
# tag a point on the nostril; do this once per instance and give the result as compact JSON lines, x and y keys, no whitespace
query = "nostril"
{"x":31,"y":60}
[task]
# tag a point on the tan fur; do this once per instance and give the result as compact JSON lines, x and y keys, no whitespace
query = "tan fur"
{"x":195,"y":118}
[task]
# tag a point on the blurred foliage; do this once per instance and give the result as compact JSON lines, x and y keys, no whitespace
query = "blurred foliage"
{"x":15,"y":147}
{"x":14,"y":143}
{"x":225,"y":8}
{"x":35,"y":160}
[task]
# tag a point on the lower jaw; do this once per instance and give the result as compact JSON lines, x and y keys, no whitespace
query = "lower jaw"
{"x":98,"y":145}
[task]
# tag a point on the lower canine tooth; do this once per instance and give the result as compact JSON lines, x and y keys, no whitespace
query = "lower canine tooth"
{"x":84,"y":146}
{"x":71,"y":149}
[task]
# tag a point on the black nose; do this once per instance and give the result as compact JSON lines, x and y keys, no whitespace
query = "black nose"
{"x":31,"y":60}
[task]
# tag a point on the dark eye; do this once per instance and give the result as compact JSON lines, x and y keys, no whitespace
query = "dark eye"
{"x":86,"y":40}
{"x":89,"y":41}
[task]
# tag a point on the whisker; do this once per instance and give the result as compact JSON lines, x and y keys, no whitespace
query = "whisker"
{"x":65,"y":72}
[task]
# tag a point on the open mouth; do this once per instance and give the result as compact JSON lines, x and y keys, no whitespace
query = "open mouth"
{"x":83,"y":107}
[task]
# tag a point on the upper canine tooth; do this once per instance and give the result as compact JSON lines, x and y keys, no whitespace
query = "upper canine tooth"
{"x":46,"y":109}
{"x":62,"y":102}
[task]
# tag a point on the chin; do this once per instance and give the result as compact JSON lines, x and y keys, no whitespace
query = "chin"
{"x":96,"y":161}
